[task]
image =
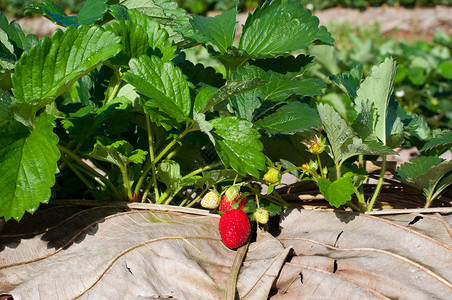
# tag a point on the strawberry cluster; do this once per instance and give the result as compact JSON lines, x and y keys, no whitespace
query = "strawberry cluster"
{"x":234,"y":223}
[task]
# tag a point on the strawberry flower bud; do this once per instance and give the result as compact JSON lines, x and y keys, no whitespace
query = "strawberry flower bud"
{"x":316,"y":145}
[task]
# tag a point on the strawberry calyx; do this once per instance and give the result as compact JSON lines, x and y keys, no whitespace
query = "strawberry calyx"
{"x":226,"y":205}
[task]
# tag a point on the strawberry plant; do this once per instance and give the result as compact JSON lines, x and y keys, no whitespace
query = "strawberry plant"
{"x":110,"y":108}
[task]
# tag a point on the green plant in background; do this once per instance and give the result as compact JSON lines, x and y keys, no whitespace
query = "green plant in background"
{"x":423,"y":82}
{"x":376,"y":126}
{"x":375,"y":130}
{"x":430,"y":174}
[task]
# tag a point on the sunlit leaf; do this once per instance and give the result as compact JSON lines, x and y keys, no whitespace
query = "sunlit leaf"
{"x":28,"y":166}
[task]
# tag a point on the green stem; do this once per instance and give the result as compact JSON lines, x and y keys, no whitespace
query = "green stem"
{"x":150,"y":165}
{"x":203,"y":169}
{"x":379,"y":184}
{"x":188,"y":197}
{"x":429,"y":199}
{"x":352,"y":206}
{"x":151,"y":154}
{"x":117,"y":84}
{"x":146,"y":191}
{"x":91,"y":170}
{"x":174,"y":142}
{"x":77,"y":172}
{"x":162,"y":197}
{"x":362,"y":205}
{"x":198,"y":197}
{"x":338,"y":170}
{"x":278,"y":199}
{"x":291,"y":169}
{"x":320,"y":166}
{"x":126,"y":181}
{"x":361,"y":165}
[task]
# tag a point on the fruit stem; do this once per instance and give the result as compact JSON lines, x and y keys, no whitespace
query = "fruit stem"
{"x":320,"y":166}
{"x":200,"y":170}
{"x":197,"y":198}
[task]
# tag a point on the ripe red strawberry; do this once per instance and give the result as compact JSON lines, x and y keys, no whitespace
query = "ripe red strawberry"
{"x":234,"y":228}
{"x":211,"y":200}
{"x":226,"y":205}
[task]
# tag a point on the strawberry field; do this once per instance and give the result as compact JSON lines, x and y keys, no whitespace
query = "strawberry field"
{"x":147,"y":152}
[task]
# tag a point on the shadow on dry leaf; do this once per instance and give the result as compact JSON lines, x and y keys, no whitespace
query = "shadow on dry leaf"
{"x":365,"y":257}
{"x":116,"y":253}
{"x":104,"y":253}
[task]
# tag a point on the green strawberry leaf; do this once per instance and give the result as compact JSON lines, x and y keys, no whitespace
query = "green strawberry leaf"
{"x":133,"y":22}
{"x":211,"y":178}
{"x":168,"y":13}
{"x":343,"y":141}
{"x":53,"y":65}
{"x":394,"y":125}
{"x":84,"y":123}
{"x":273,"y":208}
{"x":168,"y":172}
{"x":279,"y":90}
{"x":238,"y":145}
{"x":203,"y":125}
{"x":365,"y":121}
{"x":377,"y":88}
{"x":230,"y":89}
{"x":13,"y":41}
{"x":204,"y":94}
{"x":427,"y":173}
{"x":28,"y":166}
{"x":6,"y":100}
{"x":295,"y":29}
{"x":164,"y":85}
{"x":338,"y":192}
{"x":120,"y":153}
{"x":91,"y":12}
{"x":134,"y":41}
{"x":278,"y":87}
{"x":416,"y":128}
{"x":218,"y":30}
{"x":290,"y":118}
{"x":349,"y":82}
{"x":442,"y":140}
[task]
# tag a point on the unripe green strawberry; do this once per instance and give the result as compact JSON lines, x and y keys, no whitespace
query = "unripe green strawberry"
{"x":261,"y":215}
{"x":211,"y":200}
{"x":226,"y":205}
{"x":232,"y":193}
{"x":234,"y":228}
{"x":272,"y":176}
